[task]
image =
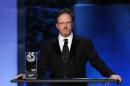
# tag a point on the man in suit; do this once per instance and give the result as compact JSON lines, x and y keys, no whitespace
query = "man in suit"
{"x":70,"y":63}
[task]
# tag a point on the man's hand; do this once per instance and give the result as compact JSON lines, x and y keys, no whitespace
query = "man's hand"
{"x":116,"y":77}
{"x":20,"y":76}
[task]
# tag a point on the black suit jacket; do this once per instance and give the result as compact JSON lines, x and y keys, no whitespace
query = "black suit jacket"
{"x":81,"y":52}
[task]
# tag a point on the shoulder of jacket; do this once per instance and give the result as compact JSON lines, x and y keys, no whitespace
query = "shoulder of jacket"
{"x":83,"y":38}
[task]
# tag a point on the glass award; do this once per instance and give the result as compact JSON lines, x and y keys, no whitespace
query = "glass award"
{"x":31,"y":65}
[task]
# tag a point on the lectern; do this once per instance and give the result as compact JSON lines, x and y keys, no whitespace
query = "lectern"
{"x":73,"y":80}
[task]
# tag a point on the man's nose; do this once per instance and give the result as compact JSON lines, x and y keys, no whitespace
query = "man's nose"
{"x":65,"y":25}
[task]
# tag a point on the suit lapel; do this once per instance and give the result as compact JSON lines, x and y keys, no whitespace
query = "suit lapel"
{"x":74,"y":45}
{"x":55,"y":45}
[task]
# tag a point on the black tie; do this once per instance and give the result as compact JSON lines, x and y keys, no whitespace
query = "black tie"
{"x":65,"y":53}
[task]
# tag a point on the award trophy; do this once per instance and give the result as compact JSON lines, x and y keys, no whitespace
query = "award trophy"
{"x":31,"y":65}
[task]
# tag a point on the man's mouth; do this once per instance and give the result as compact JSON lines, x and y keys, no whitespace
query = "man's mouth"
{"x":65,"y":29}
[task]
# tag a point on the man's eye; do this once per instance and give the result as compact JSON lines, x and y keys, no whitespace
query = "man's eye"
{"x":62,"y":23}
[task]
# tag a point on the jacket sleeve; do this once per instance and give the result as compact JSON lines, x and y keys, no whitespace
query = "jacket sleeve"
{"x":97,"y":62}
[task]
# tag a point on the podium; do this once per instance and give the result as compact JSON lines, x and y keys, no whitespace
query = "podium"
{"x":73,"y":80}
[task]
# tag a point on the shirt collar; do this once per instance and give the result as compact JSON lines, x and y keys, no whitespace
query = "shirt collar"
{"x":70,"y":37}
{"x":61,"y":40}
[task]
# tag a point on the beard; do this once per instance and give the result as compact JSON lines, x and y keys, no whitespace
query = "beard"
{"x":65,"y":33}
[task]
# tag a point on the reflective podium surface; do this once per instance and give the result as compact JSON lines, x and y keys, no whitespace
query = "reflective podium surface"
{"x":73,"y":80}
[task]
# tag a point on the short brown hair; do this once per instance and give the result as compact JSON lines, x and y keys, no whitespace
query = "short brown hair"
{"x":67,"y":11}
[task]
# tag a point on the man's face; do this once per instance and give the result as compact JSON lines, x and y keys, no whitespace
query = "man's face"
{"x":64,"y":24}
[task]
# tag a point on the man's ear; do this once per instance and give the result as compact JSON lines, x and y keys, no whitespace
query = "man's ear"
{"x":56,"y":25}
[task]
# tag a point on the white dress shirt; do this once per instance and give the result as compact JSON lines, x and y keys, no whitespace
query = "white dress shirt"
{"x":61,"y":41}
